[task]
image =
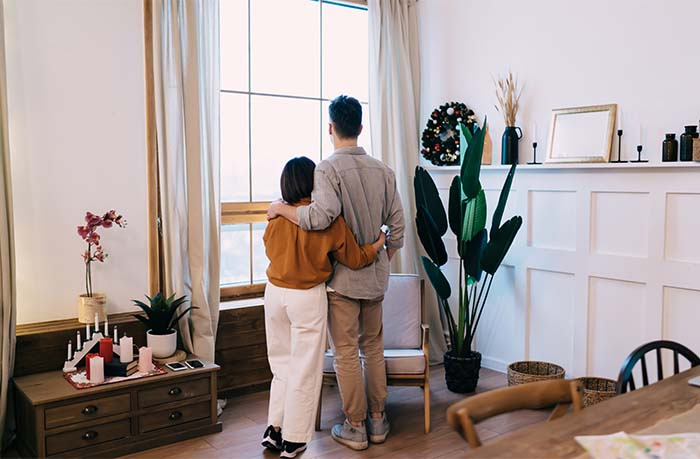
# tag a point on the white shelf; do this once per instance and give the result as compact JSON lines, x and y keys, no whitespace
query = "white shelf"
{"x":578,"y":166}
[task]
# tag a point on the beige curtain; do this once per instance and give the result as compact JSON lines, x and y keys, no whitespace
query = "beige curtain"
{"x":394,"y":85}
{"x":186,"y":80}
{"x":8,"y":313}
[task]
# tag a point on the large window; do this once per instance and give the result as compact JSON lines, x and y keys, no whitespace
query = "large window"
{"x":281,"y":63}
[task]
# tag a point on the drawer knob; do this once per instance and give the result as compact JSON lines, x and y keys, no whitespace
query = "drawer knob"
{"x":175,"y":391}
{"x":90,"y":409}
{"x":175,"y":415}
{"x":90,"y":435}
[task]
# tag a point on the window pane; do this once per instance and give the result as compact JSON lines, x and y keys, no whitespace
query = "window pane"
{"x":282,"y":129}
{"x":235,"y":161}
{"x":345,"y":51}
{"x":233,"y":31}
{"x":260,"y":260}
{"x":285,"y":43}
{"x":235,"y":254}
{"x":364,"y":139}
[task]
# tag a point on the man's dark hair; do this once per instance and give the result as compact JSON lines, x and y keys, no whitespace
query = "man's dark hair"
{"x":346,"y":114}
{"x":297,"y":181}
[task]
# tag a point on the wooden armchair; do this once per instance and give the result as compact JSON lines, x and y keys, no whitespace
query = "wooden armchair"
{"x":405,"y":340}
{"x":560,"y":392}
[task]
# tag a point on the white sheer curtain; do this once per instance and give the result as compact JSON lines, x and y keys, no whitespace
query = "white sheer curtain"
{"x":394,"y":85}
{"x":8,"y":312}
{"x":186,"y":74}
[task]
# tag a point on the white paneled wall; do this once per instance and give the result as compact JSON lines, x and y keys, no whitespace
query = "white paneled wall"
{"x":608,"y":258}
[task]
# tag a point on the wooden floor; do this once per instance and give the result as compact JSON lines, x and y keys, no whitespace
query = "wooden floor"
{"x":244,"y":421}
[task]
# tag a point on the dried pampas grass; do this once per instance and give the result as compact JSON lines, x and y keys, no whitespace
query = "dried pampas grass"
{"x":508,"y":96}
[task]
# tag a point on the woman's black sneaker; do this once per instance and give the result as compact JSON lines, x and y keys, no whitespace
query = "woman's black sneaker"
{"x":272,"y":439}
{"x":291,"y":449}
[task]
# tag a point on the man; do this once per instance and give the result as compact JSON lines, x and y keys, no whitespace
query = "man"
{"x":363,"y":189}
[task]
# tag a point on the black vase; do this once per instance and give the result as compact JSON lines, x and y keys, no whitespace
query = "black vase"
{"x":687,"y":143}
{"x":462,"y":373}
{"x":670,"y":148}
{"x":509,"y":144}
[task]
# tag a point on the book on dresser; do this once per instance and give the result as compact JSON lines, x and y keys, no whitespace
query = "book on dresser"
{"x":109,"y":420}
{"x":117,"y":368}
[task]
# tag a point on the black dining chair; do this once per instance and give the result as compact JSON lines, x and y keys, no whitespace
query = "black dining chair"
{"x":625,"y":378}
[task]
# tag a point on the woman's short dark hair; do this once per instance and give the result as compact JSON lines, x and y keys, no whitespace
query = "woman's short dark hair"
{"x":346,"y":114}
{"x":297,"y":181}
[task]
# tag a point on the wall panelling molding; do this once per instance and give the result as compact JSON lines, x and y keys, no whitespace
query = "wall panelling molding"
{"x":608,"y":258}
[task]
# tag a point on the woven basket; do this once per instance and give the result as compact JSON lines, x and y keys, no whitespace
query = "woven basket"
{"x":527,"y":372}
{"x":596,"y":390}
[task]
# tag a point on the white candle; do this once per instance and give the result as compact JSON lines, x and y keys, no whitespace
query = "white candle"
{"x":640,"y":134}
{"x":116,"y":337}
{"x":145,"y":360}
{"x":106,"y":327}
{"x":126,"y":349}
{"x":534,"y":128}
{"x":87,"y":331}
{"x":80,"y":342}
{"x":97,"y":370}
{"x":619,"y":118}
{"x":97,"y":323}
{"x":70,"y":350}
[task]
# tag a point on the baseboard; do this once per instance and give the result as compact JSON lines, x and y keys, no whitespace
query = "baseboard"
{"x":491,"y":363}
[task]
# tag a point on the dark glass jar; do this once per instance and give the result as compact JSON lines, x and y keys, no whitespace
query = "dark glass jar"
{"x":670,"y":148}
{"x":687,"y":143}
{"x":509,"y":144}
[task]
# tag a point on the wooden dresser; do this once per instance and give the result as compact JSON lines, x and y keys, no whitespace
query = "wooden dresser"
{"x":55,"y":419}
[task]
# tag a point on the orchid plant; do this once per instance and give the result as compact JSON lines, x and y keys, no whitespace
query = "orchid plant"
{"x":94,"y":251}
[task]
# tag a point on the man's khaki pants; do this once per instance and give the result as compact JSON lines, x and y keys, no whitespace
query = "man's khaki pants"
{"x":356,"y":326}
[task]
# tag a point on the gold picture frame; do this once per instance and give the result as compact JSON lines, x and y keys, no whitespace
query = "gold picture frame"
{"x":581,"y":134}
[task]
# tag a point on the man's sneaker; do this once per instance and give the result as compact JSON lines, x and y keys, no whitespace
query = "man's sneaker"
{"x":378,"y":429}
{"x":350,"y":436}
{"x":291,"y":449}
{"x":272,"y":439}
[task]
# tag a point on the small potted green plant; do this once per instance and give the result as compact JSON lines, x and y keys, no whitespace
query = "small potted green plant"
{"x":480,"y":252}
{"x":160,"y":322}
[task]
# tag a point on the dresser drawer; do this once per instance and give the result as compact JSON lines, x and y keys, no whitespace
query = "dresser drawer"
{"x":172,"y":392}
{"x":174,"y":416}
{"x":87,"y":436}
{"x":83,"y":411}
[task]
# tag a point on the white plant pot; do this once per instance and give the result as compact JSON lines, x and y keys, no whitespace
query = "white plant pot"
{"x":162,"y":345}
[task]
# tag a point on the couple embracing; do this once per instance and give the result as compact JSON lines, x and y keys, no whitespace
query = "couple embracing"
{"x":329,"y":269}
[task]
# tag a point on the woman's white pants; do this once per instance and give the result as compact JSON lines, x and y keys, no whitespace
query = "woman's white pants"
{"x":295,"y":327}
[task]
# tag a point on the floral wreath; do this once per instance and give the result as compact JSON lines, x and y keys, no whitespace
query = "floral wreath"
{"x":441,"y":135}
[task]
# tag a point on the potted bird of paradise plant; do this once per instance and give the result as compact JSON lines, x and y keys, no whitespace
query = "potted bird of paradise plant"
{"x":480,"y":252}
{"x":91,"y":303}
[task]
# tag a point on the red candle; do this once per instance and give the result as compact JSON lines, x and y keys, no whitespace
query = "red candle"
{"x":87,"y":363}
{"x":106,"y":349}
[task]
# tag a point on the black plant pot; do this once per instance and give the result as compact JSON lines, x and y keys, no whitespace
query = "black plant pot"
{"x":462,"y":373}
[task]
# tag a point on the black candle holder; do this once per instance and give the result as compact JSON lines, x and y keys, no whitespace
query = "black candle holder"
{"x":639,"y":156}
{"x":619,"y":147}
{"x":534,"y":154}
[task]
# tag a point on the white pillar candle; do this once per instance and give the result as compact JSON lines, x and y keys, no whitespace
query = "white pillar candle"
{"x":619,"y":118}
{"x":79,"y":346}
{"x":70,"y":350}
{"x":116,"y":337}
{"x":106,"y":327}
{"x":145,"y":360}
{"x":97,"y":323}
{"x":97,"y":370}
{"x":126,"y":349}
{"x":87,"y":331}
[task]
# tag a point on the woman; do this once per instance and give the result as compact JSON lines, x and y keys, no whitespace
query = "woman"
{"x":296,"y":308}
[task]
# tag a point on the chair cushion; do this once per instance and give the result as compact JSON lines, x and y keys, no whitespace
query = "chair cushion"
{"x":401,"y":311}
{"x":398,"y":361}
